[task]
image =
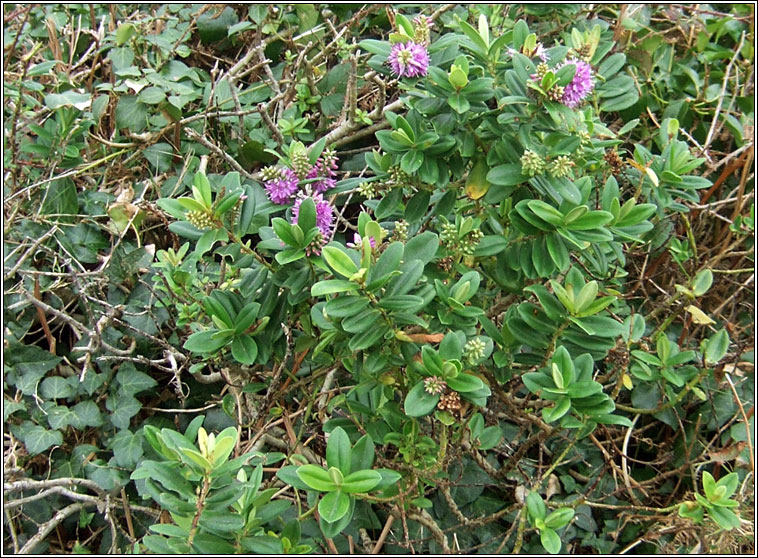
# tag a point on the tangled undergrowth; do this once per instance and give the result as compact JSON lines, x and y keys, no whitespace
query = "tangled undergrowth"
{"x":355,"y":278}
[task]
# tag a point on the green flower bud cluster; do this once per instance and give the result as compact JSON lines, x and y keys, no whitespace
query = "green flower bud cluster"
{"x":560,"y":167}
{"x":398,"y":177}
{"x":469,"y":243}
{"x":541,"y":70}
{"x":449,"y":234}
{"x":586,"y":138}
{"x":367,"y":189}
{"x":200,"y":219}
{"x":532,"y":164}
{"x":271,"y":173}
{"x":301,"y":164}
{"x":584,"y":52}
{"x":473,"y":350}
{"x":556,"y":93}
{"x":401,"y":230}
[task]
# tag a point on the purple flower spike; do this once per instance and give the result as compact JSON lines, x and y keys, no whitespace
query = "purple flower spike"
{"x":280,"y":190}
{"x":409,"y":60}
{"x":580,"y":86}
{"x":324,"y":213}
{"x":325,"y":170}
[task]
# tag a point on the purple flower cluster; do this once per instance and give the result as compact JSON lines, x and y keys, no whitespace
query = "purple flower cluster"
{"x":281,"y":189}
{"x":324,"y":169}
{"x":324,"y":213}
{"x":409,"y":60}
{"x":580,"y":86}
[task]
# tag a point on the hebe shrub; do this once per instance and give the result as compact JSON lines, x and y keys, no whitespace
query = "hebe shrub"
{"x":491,"y":254}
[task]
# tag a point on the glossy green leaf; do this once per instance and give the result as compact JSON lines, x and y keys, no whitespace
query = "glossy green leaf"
{"x":338,"y":451}
{"x":332,"y":286}
{"x":205,"y":342}
{"x":559,"y":518}
{"x":464,"y":383}
{"x":339,"y":261}
{"x":421,"y":247}
{"x":244,"y":349}
{"x":316,"y":477}
{"x":361,"y":481}
{"x":418,"y":402}
{"x":550,"y":541}
{"x":561,"y":407}
{"x":536,"y":506}
{"x":333,"y":506}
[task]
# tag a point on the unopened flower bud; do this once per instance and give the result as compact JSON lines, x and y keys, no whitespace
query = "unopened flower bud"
{"x":367,"y":189}
{"x":532,"y":164}
{"x":271,"y":173}
{"x":200,"y":219}
{"x":301,"y":164}
{"x":473,"y":350}
{"x":556,"y":93}
{"x":401,"y":231}
{"x":561,"y":166}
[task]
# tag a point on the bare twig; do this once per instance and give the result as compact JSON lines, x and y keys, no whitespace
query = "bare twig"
{"x":192,"y":134}
{"x":714,"y":122}
{"x":383,"y":534}
{"x":428,"y":521}
{"x":745,"y":420}
{"x":46,"y":528}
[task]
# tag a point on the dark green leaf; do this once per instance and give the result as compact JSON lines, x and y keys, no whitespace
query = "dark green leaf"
{"x":205,"y":342}
{"x":506,"y":175}
{"x":421,"y":247}
{"x":465,"y":383}
{"x":244,"y":349}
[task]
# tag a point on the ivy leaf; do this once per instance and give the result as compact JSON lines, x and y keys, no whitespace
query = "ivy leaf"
{"x":38,"y":439}
{"x":122,"y":408}
{"x":132,"y":381}
{"x":127,"y":448}
{"x":55,"y":387}
{"x":130,"y":113}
